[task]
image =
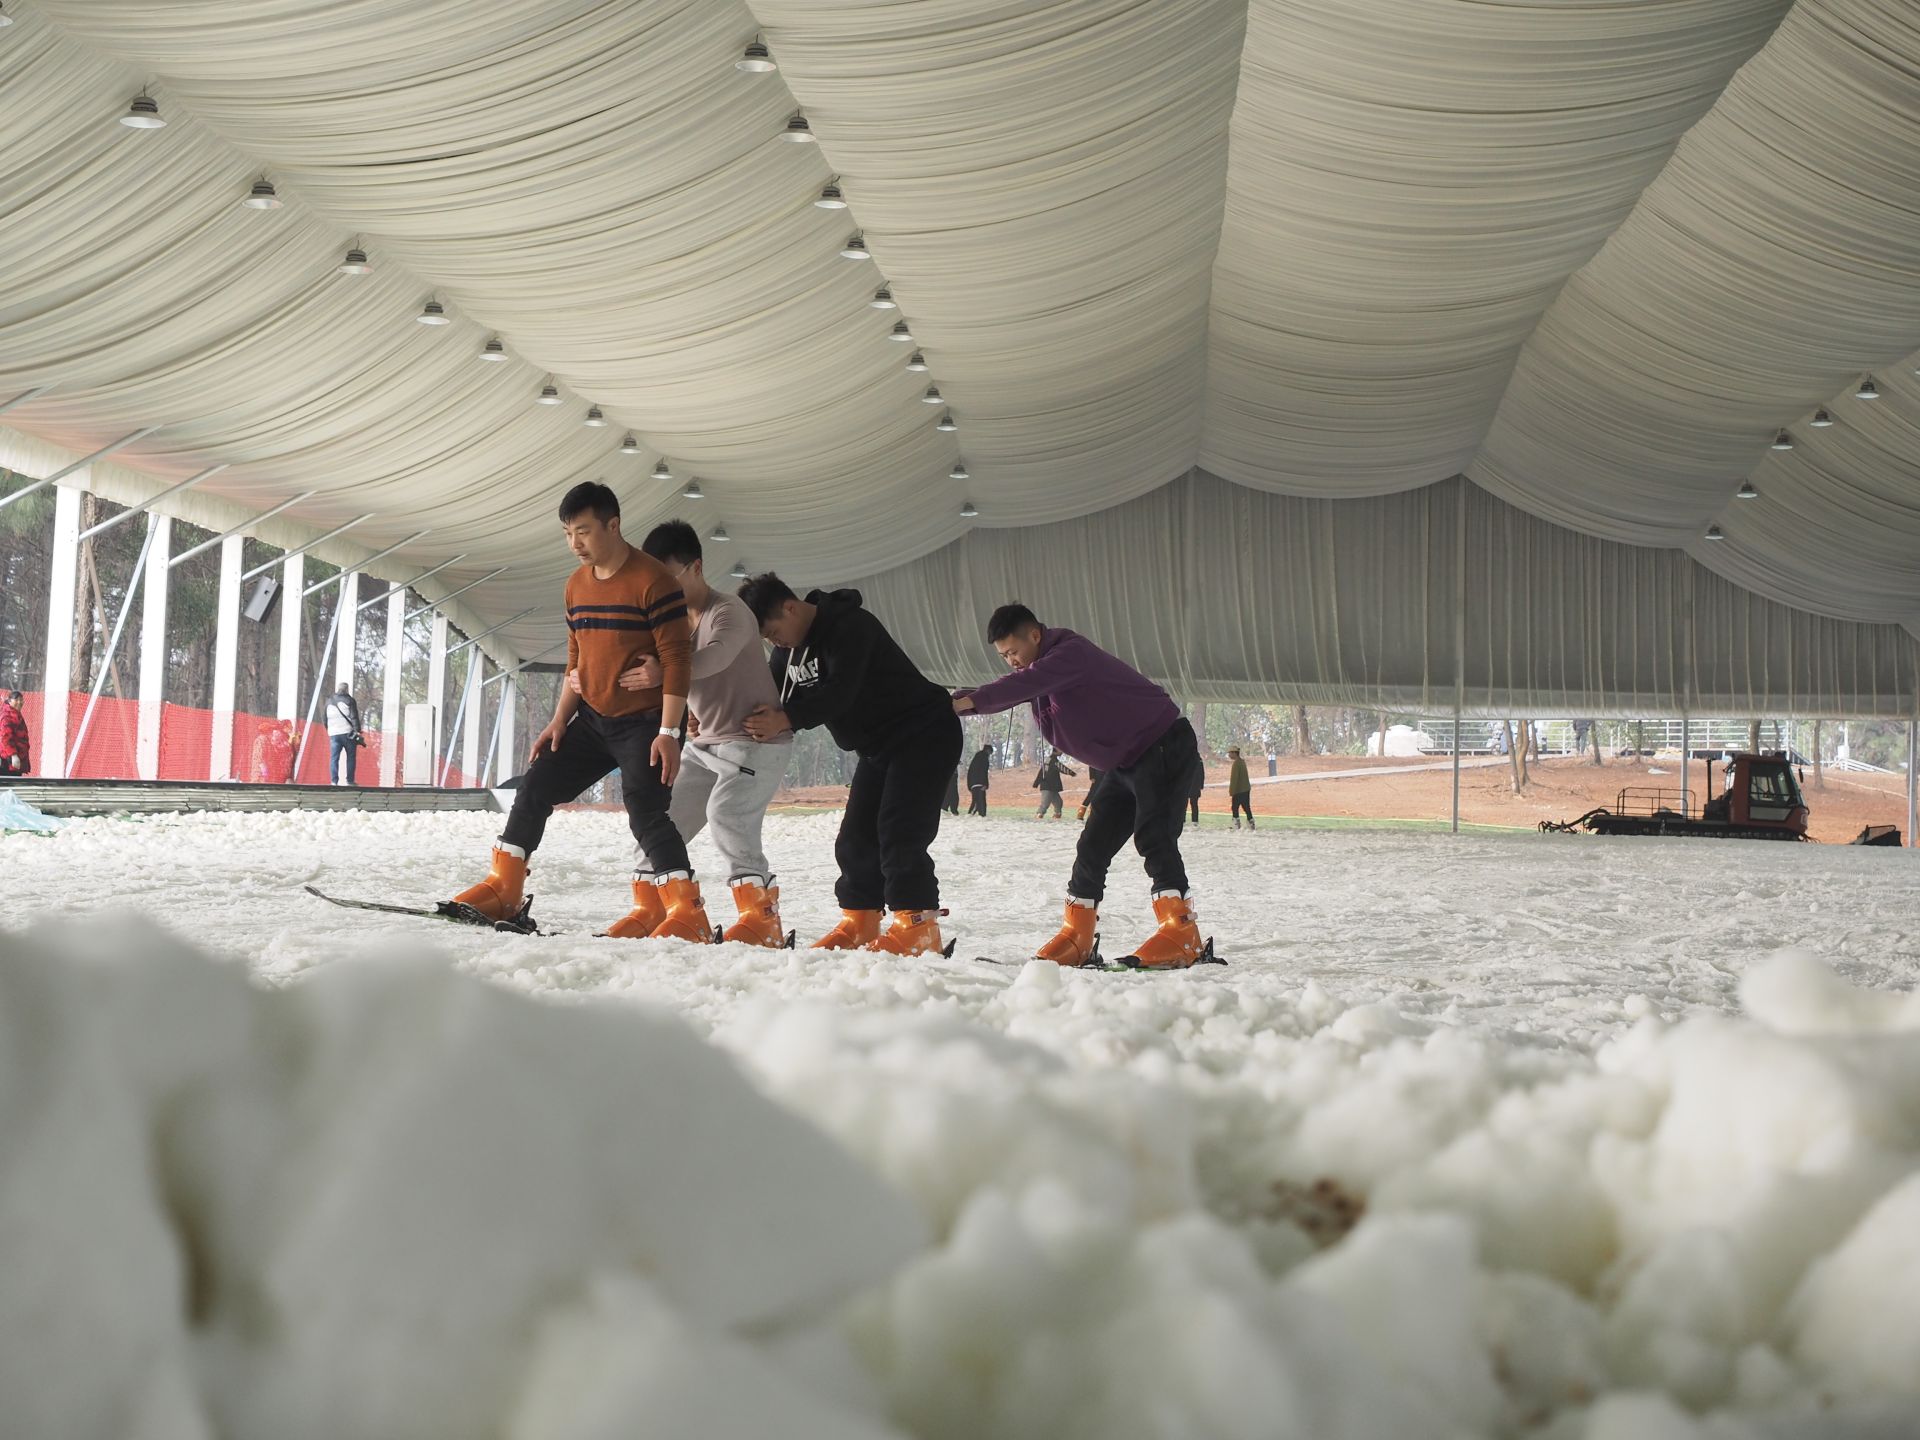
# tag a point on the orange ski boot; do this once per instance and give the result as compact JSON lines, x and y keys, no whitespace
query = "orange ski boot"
{"x":857,"y":930}
{"x":1078,"y":942}
{"x":913,"y":932}
{"x":646,"y":915}
{"x":1177,"y":943}
{"x":502,"y":895}
{"x":686,"y":917}
{"x":759,"y":922}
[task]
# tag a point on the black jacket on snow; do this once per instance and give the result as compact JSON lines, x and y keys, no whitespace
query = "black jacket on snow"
{"x":851,"y":676}
{"x":977,"y":769}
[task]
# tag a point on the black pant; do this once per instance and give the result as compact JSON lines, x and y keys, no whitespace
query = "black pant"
{"x":1193,"y":804}
{"x":892,"y":816}
{"x":978,"y":804}
{"x":1147,"y":800}
{"x":592,"y":745}
{"x":1243,"y":802}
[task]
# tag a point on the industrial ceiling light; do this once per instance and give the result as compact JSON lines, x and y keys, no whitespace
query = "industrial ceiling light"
{"x":494,"y":351}
{"x":798,"y":131}
{"x":143,"y":113}
{"x":356,"y":263}
{"x":959,"y":472}
{"x":693,"y":490}
{"x":661,"y":472}
{"x":917,"y":363}
{"x":758,"y":60}
{"x":1746,"y":491}
{"x":739,"y":571}
{"x":595,"y":418}
{"x":5,"y":19}
{"x":549,"y":394}
{"x":262,"y":196}
{"x":831,"y":198}
{"x":967,"y":510}
{"x":883,"y":299}
{"x":1868,"y":390}
{"x":856,"y":249}
{"x":901,"y":333}
{"x":947,"y":423}
{"x":1821,"y":420}
{"x":1783,"y":441}
{"x":932,"y":397}
{"x":719,"y":535}
{"x":1714,"y":532}
{"x":433,"y":313}
{"x":629,"y":446}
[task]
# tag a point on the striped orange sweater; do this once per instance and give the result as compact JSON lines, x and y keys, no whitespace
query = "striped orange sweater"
{"x":638,"y":610}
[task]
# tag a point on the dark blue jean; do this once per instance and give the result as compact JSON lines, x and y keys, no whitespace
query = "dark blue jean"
{"x":343,"y":745}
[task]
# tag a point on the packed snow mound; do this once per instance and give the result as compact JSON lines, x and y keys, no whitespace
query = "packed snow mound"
{"x":1400,"y":740}
{"x":367,"y":1205}
{"x":1517,"y":1147}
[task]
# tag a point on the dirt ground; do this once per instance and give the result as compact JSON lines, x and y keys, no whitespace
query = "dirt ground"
{"x":1559,"y":789}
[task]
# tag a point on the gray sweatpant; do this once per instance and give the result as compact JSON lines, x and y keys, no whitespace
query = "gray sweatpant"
{"x":715,"y":789}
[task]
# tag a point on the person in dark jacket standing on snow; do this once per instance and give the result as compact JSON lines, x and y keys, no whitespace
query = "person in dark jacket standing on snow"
{"x":952,"y":803}
{"x":1051,"y":786}
{"x":1103,"y":712}
{"x":977,"y":774}
{"x":16,"y":752}
{"x":1239,"y":788}
{"x":836,"y":665}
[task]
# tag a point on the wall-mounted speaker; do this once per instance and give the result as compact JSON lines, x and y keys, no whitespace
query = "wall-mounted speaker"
{"x":260,"y":599}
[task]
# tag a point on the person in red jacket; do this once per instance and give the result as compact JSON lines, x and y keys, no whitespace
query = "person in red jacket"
{"x":16,"y":755}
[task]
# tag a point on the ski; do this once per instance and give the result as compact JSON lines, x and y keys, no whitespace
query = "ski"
{"x":521,"y":924}
{"x":1114,"y":967}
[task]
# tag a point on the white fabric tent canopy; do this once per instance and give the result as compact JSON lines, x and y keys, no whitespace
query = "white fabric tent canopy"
{"x":1589,"y":257}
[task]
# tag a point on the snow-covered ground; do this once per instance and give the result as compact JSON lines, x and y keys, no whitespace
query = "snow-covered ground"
{"x":1482,"y":1136}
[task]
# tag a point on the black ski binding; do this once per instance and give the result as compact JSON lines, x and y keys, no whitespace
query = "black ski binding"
{"x":1205,"y":957}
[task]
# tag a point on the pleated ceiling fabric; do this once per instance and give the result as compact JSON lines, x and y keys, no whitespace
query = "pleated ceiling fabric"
{"x":1591,"y":257}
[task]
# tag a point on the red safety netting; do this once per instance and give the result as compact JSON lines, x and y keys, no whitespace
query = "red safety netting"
{"x":263,"y":747}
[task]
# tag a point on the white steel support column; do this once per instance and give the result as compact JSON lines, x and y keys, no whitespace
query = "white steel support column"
{"x":345,"y":647}
{"x":437,"y":687}
{"x":470,"y":723}
{"x":503,"y":764}
{"x":50,"y":745}
{"x":1913,"y":780}
{"x":153,"y":648}
{"x":226,"y":659}
{"x":390,"y":687}
{"x":293,"y":580}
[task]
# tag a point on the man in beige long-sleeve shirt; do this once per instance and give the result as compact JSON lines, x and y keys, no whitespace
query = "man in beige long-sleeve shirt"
{"x":727,"y":777}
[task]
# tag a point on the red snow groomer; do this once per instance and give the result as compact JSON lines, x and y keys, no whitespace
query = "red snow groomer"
{"x":1760,"y":801}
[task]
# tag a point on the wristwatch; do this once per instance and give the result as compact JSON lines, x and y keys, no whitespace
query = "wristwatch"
{"x":677,"y":734}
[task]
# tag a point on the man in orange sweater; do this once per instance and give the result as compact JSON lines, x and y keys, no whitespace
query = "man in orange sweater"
{"x":622,"y":606}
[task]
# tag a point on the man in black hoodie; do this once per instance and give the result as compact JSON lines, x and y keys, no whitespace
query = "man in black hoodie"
{"x":836,"y":665}
{"x":977,"y":776}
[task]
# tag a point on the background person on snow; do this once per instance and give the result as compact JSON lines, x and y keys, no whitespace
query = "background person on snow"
{"x":1104,"y":712}
{"x":621,"y":605}
{"x":1050,"y":785}
{"x":836,"y":665}
{"x":343,"y":733}
{"x":727,"y":777}
{"x":978,"y":773}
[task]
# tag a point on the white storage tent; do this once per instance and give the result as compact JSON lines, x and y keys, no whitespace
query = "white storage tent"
{"x":1239,"y":306}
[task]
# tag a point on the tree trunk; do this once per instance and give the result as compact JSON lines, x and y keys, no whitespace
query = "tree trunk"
{"x":1593,"y":734}
{"x":1753,"y":737}
{"x":1200,"y":729}
{"x":1819,"y":764}
{"x":1639,"y":739}
{"x":1515,"y":745}
{"x":1302,"y":736}
{"x":1383,"y":732}
{"x":81,"y":673}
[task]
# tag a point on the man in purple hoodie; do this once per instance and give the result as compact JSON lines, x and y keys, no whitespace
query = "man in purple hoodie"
{"x":1102,"y":711}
